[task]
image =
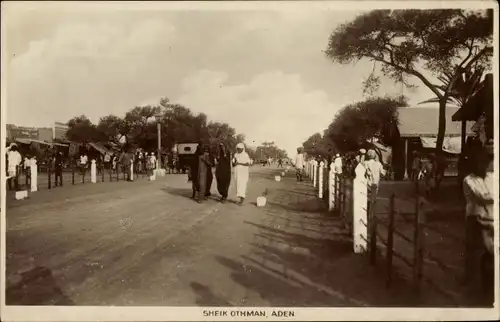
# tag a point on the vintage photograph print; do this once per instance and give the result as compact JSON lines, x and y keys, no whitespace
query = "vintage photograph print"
{"x":249,"y":160}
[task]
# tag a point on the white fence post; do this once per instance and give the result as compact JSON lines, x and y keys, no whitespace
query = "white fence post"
{"x":34,"y":175}
{"x":320,"y":179}
{"x":360,"y":215}
{"x":132,"y":171}
{"x":331,"y":186}
{"x":93,"y":172}
{"x":315,"y":173}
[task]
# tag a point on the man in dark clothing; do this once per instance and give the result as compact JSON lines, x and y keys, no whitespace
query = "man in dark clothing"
{"x":210,"y":175}
{"x":58,"y":166}
{"x":125,"y":160}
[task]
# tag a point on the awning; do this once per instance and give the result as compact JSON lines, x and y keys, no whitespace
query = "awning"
{"x":452,"y":145}
{"x":23,"y":141}
{"x":102,"y":149}
{"x":60,"y":144}
{"x":29,"y":141}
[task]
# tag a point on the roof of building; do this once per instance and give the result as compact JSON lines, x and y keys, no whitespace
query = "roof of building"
{"x":423,"y":121}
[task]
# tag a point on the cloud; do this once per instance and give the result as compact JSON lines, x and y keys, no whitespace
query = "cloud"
{"x":272,"y":106}
{"x":263,"y":72}
{"x":83,"y":66}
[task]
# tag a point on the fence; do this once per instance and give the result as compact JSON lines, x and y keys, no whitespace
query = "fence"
{"x":385,"y":233}
{"x":44,"y":176}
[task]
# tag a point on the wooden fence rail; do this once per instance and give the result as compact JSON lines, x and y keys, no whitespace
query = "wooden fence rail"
{"x":343,"y":195}
{"x":34,"y":178}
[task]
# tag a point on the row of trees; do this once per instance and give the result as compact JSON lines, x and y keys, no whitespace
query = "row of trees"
{"x":269,"y":150}
{"x":139,"y":128}
{"x":446,"y":50}
{"x":178,"y":125}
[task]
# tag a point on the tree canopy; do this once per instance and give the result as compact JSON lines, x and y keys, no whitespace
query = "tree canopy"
{"x":139,"y":126}
{"x":316,"y":145}
{"x":424,"y":44}
{"x":269,"y":150}
{"x":358,"y":123}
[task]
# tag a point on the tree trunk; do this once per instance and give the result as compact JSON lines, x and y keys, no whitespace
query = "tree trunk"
{"x":441,"y":125}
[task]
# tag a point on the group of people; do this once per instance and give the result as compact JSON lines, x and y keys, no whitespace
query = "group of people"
{"x":201,"y":175}
{"x":16,"y":165}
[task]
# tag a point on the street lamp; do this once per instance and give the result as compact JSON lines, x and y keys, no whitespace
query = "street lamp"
{"x":158,"y":129}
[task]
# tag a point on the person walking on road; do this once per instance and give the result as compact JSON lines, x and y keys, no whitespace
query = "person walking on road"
{"x":210,"y":175}
{"x":223,"y":171}
{"x":241,"y":164}
{"x":107,"y":161}
{"x":83,"y":164}
{"x":198,"y":173}
{"x":299,"y":164}
{"x":125,"y":160}
{"x":374,"y":170}
{"x":337,"y":164}
{"x":58,"y":167}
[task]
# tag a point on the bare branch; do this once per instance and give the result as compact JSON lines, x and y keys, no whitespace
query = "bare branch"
{"x":486,"y":50}
{"x":409,"y":71}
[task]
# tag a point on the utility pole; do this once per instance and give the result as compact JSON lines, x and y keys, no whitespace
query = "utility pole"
{"x":159,"y":146}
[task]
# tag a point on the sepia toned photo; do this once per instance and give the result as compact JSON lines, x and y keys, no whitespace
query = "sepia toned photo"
{"x":281,"y":161}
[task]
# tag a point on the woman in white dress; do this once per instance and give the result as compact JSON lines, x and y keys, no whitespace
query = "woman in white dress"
{"x":241,"y":164}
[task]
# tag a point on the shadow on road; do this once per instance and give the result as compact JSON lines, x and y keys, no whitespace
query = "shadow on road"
{"x":325,"y":267}
{"x":206,"y":297}
{"x":271,"y":286}
{"x":181,"y":192}
{"x":302,"y":256}
{"x":37,"y":287}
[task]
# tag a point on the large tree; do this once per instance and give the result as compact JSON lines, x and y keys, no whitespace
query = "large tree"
{"x":113,"y":128}
{"x":82,"y":130}
{"x":424,"y":44}
{"x":316,"y":144}
{"x":362,"y":122}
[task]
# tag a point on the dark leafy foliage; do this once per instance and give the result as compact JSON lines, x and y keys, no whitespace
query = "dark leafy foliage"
{"x":358,"y":123}
{"x":139,"y":126}
{"x":417,"y":42}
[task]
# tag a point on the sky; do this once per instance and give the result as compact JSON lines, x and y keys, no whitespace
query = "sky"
{"x":261,"y":71}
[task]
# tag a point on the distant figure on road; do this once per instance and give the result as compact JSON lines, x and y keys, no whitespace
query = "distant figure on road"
{"x":153,"y":160}
{"x":125,"y":160}
{"x":223,"y":171}
{"x":198,"y":174}
{"x":280,"y":163}
{"x":27,"y":168}
{"x":415,"y":166}
{"x":374,"y":170}
{"x":107,"y":161}
{"x":58,"y":166}
{"x":428,"y":174}
{"x":149,"y":165}
{"x":299,"y":164}
{"x":241,"y":163}
{"x":210,"y":175}
{"x":337,"y":164}
{"x":83,"y":163}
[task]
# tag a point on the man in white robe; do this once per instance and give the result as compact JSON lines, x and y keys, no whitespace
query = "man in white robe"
{"x":241,"y":164}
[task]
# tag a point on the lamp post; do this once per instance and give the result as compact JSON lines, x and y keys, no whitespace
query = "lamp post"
{"x":158,"y":125}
